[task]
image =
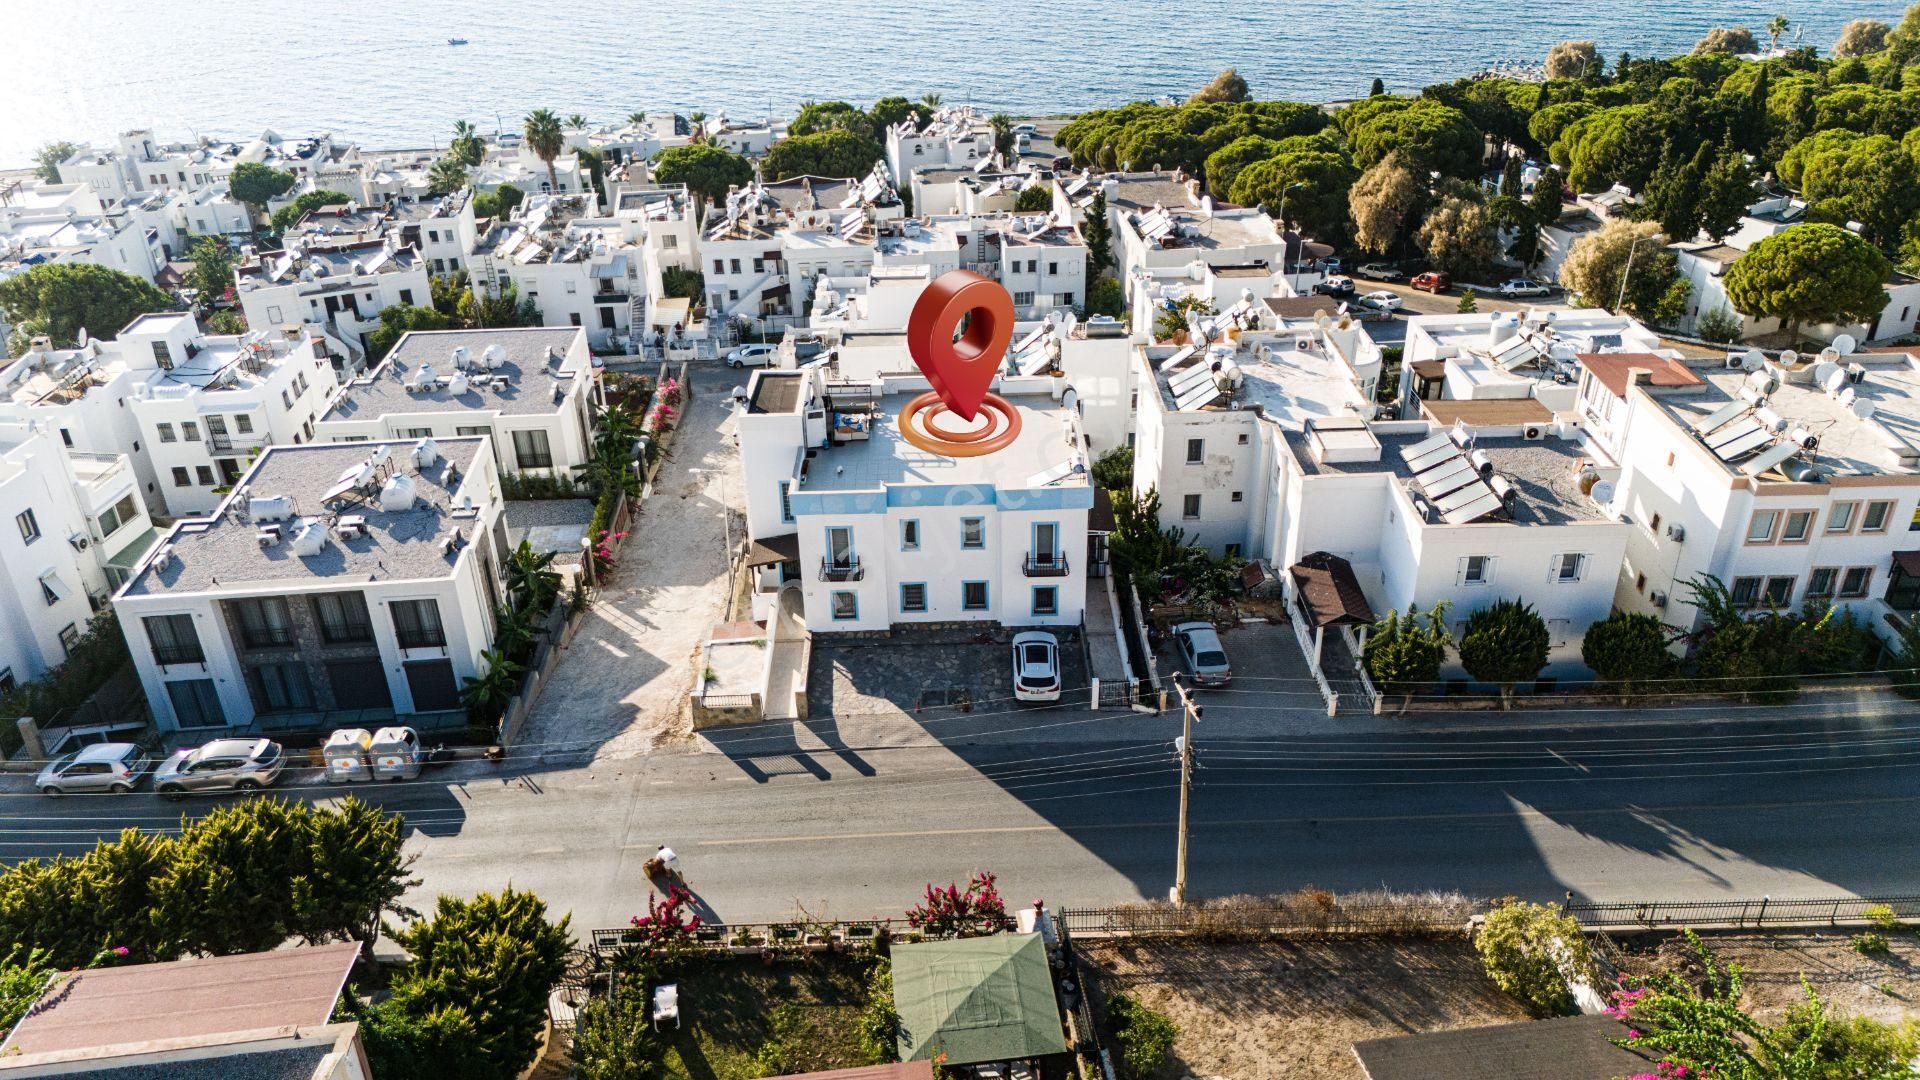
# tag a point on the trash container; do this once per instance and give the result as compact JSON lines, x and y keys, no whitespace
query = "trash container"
{"x":347,"y":756}
{"x":396,"y":753}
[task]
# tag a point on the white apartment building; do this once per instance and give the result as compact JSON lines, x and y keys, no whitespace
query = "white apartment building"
{"x":337,"y":289}
{"x":765,"y":252}
{"x":1160,"y":220}
{"x":668,"y":220}
{"x":1266,"y":443}
{"x":355,"y":578}
{"x":532,"y":389}
{"x":1793,"y":483}
{"x":75,"y":526}
{"x":209,"y":403}
{"x":140,"y":163}
{"x":577,"y":267}
{"x":509,"y":161}
{"x":875,"y":533}
{"x":1510,"y":356}
{"x":440,"y":229}
{"x":67,"y":223}
{"x":957,"y":136}
{"x":80,"y":396}
{"x":977,"y":189}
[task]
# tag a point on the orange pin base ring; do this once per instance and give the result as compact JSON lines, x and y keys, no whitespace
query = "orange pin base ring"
{"x":935,"y":440}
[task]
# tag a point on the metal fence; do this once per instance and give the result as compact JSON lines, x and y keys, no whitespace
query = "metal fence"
{"x":1764,"y":911}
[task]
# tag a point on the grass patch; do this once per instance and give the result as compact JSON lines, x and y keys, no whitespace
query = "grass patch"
{"x":742,"y":1019}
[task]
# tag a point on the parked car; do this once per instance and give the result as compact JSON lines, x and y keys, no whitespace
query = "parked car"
{"x":1432,"y":281}
{"x":1334,"y":285}
{"x":1200,"y":650}
{"x":115,"y":766}
{"x":221,"y":765}
{"x":755,"y":355}
{"x":1525,"y":287}
{"x":1382,"y":300}
{"x":1381,"y":272}
{"x":1026,"y":129}
{"x":1036,"y":666}
{"x":1333,"y":264}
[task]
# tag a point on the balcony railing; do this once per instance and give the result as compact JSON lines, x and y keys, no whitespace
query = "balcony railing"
{"x":1054,"y":565}
{"x":266,"y":637}
{"x":178,"y":654}
{"x":842,"y":570}
{"x":420,"y":639}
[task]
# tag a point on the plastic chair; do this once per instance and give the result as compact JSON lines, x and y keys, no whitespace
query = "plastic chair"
{"x":666,"y":1004}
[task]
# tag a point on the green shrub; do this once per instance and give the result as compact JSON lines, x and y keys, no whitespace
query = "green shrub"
{"x":1145,"y":1036}
{"x":1870,"y":943}
{"x":1530,"y":951}
{"x":1882,"y":917}
{"x":880,"y":1021}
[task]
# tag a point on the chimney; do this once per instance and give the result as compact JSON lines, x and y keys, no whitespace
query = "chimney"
{"x":1639,"y":376}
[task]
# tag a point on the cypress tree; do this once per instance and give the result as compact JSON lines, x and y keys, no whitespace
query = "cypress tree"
{"x":1379,"y":88}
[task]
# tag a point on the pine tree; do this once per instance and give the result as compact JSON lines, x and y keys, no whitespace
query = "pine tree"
{"x":1379,"y":88}
{"x":1544,"y":96}
{"x":1099,"y":237}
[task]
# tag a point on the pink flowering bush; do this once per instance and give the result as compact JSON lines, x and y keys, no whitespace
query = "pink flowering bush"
{"x":976,"y":911}
{"x":668,"y":921}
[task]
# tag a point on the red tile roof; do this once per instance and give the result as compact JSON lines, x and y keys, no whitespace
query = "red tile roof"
{"x":1611,"y":369}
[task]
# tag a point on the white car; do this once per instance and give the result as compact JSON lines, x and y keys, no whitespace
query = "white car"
{"x":1026,"y":129}
{"x":1036,"y":666}
{"x":752,"y":356}
{"x":1382,"y":299}
{"x":1525,"y":287}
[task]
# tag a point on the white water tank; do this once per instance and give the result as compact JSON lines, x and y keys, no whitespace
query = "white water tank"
{"x":397,"y":495}
{"x":493,"y":357}
{"x":309,"y":538}
{"x":457,"y":384}
{"x":425,"y":454}
{"x":1504,"y":326}
{"x":270,"y":508}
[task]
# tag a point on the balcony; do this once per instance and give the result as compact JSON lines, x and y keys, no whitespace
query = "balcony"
{"x":420,"y":639}
{"x":1053,"y":565}
{"x":848,"y":569}
{"x":165,"y":655}
{"x":266,"y":637}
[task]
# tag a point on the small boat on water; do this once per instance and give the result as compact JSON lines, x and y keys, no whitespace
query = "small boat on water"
{"x":456,"y":41}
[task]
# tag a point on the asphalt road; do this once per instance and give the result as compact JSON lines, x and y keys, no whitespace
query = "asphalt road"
{"x":1795,"y":807}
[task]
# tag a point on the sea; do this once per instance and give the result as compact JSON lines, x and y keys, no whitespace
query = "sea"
{"x":383,"y":74}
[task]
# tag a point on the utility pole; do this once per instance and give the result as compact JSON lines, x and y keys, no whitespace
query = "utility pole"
{"x":1189,"y":714}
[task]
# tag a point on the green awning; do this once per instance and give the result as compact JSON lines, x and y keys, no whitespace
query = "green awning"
{"x":977,"y":999}
{"x":129,"y":557}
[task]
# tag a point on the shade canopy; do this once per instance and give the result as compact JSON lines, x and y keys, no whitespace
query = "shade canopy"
{"x":1329,"y":591}
{"x":977,"y":1000}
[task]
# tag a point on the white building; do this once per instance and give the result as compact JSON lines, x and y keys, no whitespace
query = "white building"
{"x":75,"y":525}
{"x":67,"y":223}
{"x":877,"y":533}
{"x":80,"y":396}
{"x":337,"y":289}
{"x":766,"y":251}
{"x":532,"y":389}
{"x":1160,"y":221}
{"x":509,"y":161}
{"x":1793,"y":484}
{"x":357,"y":578}
{"x":957,"y":136}
{"x":209,"y":403}
{"x":579,"y":268}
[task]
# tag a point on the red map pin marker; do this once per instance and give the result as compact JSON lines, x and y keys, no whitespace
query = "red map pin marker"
{"x":961,"y":370}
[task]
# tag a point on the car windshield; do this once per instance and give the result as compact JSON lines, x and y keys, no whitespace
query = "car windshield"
{"x":1212,"y":658}
{"x":65,"y":761}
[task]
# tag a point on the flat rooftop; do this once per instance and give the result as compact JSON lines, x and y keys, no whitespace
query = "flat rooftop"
{"x":885,"y":457}
{"x":222,"y":553}
{"x":1291,"y":385}
{"x":1850,"y":445}
{"x":1543,"y":472}
{"x":535,"y":360}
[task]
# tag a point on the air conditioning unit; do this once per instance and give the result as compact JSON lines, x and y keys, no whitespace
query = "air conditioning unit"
{"x":1534,"y":433}
{"x":1677,"y":533}
{"x":352,"y":527}
{"x":1658,"y":598}
{"x":80,"y":541}
{"x":268,"y":535}
{"x":1736,"y":362}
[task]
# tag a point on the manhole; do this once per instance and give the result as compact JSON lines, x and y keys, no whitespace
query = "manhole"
{"x":948,"y":697}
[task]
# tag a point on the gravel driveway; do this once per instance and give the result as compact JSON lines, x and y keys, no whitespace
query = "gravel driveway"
{"x":621,"y":689}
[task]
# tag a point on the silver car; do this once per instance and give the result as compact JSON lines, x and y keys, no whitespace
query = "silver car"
{"x":1202,"y":653}
{"x":114,"y":767}
{"x":221,"y":765}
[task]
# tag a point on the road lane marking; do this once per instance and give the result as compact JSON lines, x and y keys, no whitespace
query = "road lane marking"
{"x":910,"y":834}
{"x":1566,"y":759}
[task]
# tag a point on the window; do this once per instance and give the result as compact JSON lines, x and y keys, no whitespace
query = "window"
{"x":195,"y":703}
{"x":117,"y":515}
{"x":735,"y":265}
{"x":846,"y":607}
{"x":173,"y":639}
{"x":1243,"y":439}
{"x":531,"y":451}
{"x":1746,"y":591}
{"x":286,"y":400}
{"x":719,"y":267}
{"x":786,"y":504}
{"x":1840,"y":518}
{"x":1190,"y":507}
{"x":166,"y":432}
{"x":416,"y":624}
{"x":1196,"y":451}
{"x":1779,"y":591}
{"x":1046,"y":543}
{"x":1856,"y":582}
{"x":1653,"y":526}
{"x":406,"y":297}
{"x":1876,"y":516}
{"x":1820,"y":582}
{"x":48,"y":592}
{"x":416,"y":433}
{"x":573,"y":318}
{"x":973,"y":596}
{"x":1640,"y":583}
{"x":1760,"y":529}
{"x":1046,"y":600}
{"x":264,"y":622}
{"x":913,"y":596}
{"x":343,"y":617}
{"x":243,"y":423}
{"x":29,"y":525}
{"x":1052,"y":268}
{"x":162,"y":356}
{"x":189,"y":431}
{"x":910,"y":535}
{"x":180,"y":477}
{"x":1023,"y":299}
{"x":1236,"y":497}
{"x":66,"y":437}
{"x":973,"y":533}
{"x":1568,"y":568}
{"x":204,"y":474}
{"x":472,"y":430}
{"x":69,"y":637}
{"x":840,"y":547}
{"x":1475,"y":570}
{"x":280,"y":687}
{"x":1799,"y":525}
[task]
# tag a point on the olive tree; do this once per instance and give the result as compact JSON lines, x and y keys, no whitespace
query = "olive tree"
{"x":1726,"y":39}
{"x":1459,"y":238}
{"x":1598,"y":262}
{"x":1574,"y":60}
{"x":1861,"y":37}
{"x":1505,"y":644}
{"x":1382,"y":201}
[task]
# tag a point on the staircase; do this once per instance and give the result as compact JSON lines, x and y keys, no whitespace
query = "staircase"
{"x":787,"y":672}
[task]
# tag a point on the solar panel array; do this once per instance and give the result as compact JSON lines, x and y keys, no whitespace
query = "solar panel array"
{"x":1193,"y":388}
{"x":1450,"y":482}
{"x":1155,"y":224}
{"x":1517,"y":353}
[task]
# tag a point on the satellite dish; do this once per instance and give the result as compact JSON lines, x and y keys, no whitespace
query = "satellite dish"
{"x":1845,"y":344}
{"x":1753,"y":360}
{"x":1825,"y":371}
{"x":1322,"y":320}
{"x":1788,"y":358}
{"x":1602,"y":493}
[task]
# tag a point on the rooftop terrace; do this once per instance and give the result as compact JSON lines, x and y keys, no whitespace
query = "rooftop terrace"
{"x":885,"y":457}
{"x":1544,"y":473}
{"x":532,"y":359}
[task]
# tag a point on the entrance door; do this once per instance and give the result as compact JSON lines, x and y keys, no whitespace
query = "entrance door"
{"x":359,"y":684}
{"x":431,"y":684}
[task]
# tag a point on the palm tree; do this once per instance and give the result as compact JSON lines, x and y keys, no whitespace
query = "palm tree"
{"x":636,"y":118}
{"x":447,"y":175}
{"x":1776,"y":26}
{"x":1002,"y":125}
{"x":467,"y":146}
{"x":531,"y":577}
{"x":931,"y":101}
{"x":545,"y":138}
{"x":487,"y":695}
{"x":576,"y":120}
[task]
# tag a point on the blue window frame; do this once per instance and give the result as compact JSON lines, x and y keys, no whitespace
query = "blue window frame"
{"x":846,"y":606}
{"x":1046,"y":600}
{"x":973,"y":596}
{"x":913,"y":596}
{"x":786,"y":505}
{"x":973,"y":533}
{"x":1045,"y":542}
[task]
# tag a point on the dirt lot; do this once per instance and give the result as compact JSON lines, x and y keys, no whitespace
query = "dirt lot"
{"x":1885,"y":987}
{"x":1294,"y":1008}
